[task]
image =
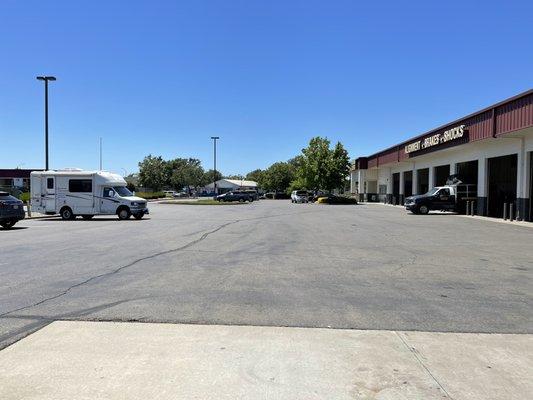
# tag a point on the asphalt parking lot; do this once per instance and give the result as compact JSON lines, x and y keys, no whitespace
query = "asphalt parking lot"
{"x":270,"y":263}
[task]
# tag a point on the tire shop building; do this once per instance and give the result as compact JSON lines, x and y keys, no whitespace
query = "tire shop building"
{"x":491,"y":148}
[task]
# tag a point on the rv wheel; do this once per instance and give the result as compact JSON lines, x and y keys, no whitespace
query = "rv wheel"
{"x":66,"y":213}
{"x":124,"y":213}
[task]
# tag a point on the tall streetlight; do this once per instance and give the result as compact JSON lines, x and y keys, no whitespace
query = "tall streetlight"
{"x":46,"y":79}
{"x":215,"y":138}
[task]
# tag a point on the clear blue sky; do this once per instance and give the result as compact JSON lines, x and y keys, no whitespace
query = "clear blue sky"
{"x":161,"y":77}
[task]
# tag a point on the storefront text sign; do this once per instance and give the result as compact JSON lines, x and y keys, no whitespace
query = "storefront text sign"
{"x":434,"y":140}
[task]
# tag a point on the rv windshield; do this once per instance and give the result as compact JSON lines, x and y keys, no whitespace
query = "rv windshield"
{"x":122,"y":191}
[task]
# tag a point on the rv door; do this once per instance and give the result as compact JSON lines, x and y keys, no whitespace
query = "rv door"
{"x":49,"y":190}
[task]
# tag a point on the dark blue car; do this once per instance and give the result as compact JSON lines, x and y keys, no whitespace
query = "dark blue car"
{"x":11,"y":210}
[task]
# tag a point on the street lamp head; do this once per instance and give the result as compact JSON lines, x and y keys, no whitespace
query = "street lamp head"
{"x":215,"y":137}
{"x":46,"y":78}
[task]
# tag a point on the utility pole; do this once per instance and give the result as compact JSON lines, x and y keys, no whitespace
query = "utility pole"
{"x":46,"y":79}
{"x":215,"y":138}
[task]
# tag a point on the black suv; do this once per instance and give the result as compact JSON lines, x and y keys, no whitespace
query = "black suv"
{"x":11,"y":210}
{"x":235,"y":196}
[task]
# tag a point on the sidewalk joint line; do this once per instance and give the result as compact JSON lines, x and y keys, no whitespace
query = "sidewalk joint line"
{"x":411,"y":350}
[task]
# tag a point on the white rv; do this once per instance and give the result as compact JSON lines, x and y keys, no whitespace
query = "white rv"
{"x":74,"y":192}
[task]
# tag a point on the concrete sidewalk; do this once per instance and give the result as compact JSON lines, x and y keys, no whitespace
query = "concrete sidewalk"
{"x":105,"y":360}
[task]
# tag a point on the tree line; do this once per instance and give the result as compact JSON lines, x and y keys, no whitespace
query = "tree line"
{"x":319,"y":167}
{"x":156,"y":173}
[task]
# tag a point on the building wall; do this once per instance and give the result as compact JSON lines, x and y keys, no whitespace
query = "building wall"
{"x":520,"y":143}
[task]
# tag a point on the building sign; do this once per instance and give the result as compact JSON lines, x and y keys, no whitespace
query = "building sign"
{"x":434,"y":140}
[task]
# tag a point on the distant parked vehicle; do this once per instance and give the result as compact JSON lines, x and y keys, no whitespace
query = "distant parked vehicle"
{"x":314,"y":196}
{"x":170,"y":193}
{"x":235,"y":196}
{"x":277,"y":195}
{"x":333,"y":199}
{"x":299,"y":196}
{"x":253,"y":193}
{"x":178,"y":195}
{"x":70,"y":193}
{"x":11,"y":210}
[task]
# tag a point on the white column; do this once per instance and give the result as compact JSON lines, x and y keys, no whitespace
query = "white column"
{"x":453,"y":168}
{"x":431,"y":179}
{"x":482,"y":177}
{"x":353,"y":180}
{"x":522,"y":182}
{"x":361,"y":181}
{"x":521,"y":171}
{"x":402,"y":183}
{"x":389,"y":181}
{"x":527,"y":177}
{"x":415,"y":180}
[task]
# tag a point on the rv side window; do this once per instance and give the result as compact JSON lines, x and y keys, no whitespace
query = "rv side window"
{"x":80,"y":185}
{"x":108,"y":192}
{"x":50,"y":183}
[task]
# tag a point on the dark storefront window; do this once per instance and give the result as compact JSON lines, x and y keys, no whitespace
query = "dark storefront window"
{"x":396,"y":184}
{"x":502,"y":183}
{"x":408,"y":183}
{"x":467,"y":172}
{"x":442,"y":172}
{"x":423,"y":180}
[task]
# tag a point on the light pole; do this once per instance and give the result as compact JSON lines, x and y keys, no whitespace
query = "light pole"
{"x":215,"y":138}
{"x":46,"y":79}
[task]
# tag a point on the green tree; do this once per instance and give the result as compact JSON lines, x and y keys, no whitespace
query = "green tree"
{"x":237,"y":177}
{"x":257,"y":175}
{"x":278,"y":177}
{"x":186,"y":173}
{"x":339,"y":168}
{"x":314,"y":164}
{"x":322,"y":168}
{"x":153,"y":172}
{"x":209,"y":176}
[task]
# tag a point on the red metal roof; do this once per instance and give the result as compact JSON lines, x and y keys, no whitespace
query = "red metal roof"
{"x":501,"y":118}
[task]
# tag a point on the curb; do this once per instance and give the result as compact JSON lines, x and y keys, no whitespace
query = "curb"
{"x":526,"y":224}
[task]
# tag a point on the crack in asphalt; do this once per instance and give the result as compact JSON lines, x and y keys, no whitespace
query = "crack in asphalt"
{"x":407,"y":264}
{"x":117,"y":270}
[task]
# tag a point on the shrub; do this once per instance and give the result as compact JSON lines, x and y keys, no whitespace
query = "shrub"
{"x":25,"y":197}
{"x":150,"y":195}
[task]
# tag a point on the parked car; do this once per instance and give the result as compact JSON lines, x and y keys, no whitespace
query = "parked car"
{"x":277,"y":195}
{"x":333,"y":199}
{"x":314,"y":196}
{"x":253,"y":193}
{"x":169,"y":193}
{"x":177,"y":195}
{"x":11,"y":210}
{"x":235,"y":196}
{"x":299,"y":196}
